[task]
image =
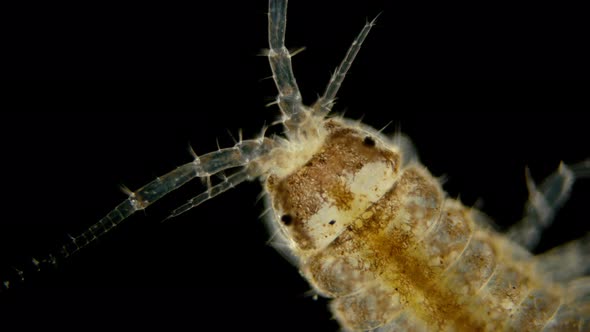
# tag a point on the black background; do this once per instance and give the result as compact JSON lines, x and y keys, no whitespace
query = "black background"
{"x":67,"y":146}
{"x":215,"y":40}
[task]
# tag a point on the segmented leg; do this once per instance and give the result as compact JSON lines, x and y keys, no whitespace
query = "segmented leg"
{"x":566,"y":262}
{"x":324,"y":104}
{"x":241,"y":154}
{"x":289,"y":98}
{"x":545,"y":201}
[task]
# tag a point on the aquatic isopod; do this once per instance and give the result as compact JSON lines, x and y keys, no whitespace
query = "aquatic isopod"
{"x":203,"y":261}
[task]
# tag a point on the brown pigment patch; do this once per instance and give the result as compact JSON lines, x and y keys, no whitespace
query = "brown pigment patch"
{"x":341,"y":196}
{"x":399,"y":261}
{"x":407,"y":268}
{"x":319,"y":182}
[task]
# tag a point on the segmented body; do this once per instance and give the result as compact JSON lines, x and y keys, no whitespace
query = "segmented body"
{"x":379,"y":236}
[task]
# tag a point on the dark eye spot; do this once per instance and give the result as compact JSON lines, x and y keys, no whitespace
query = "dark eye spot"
{"x":332,"y":222}
{"x":369,"y":141}
{"x":286,"y":219}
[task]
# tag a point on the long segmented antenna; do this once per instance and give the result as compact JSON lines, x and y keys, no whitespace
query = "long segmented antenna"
{"x":324,"y":103}
{"x":228,"y":183}
{"x":289,"y":98}
{"x":241,"y":154}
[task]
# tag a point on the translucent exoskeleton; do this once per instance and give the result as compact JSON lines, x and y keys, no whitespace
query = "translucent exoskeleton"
{"x":221,"y":240}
